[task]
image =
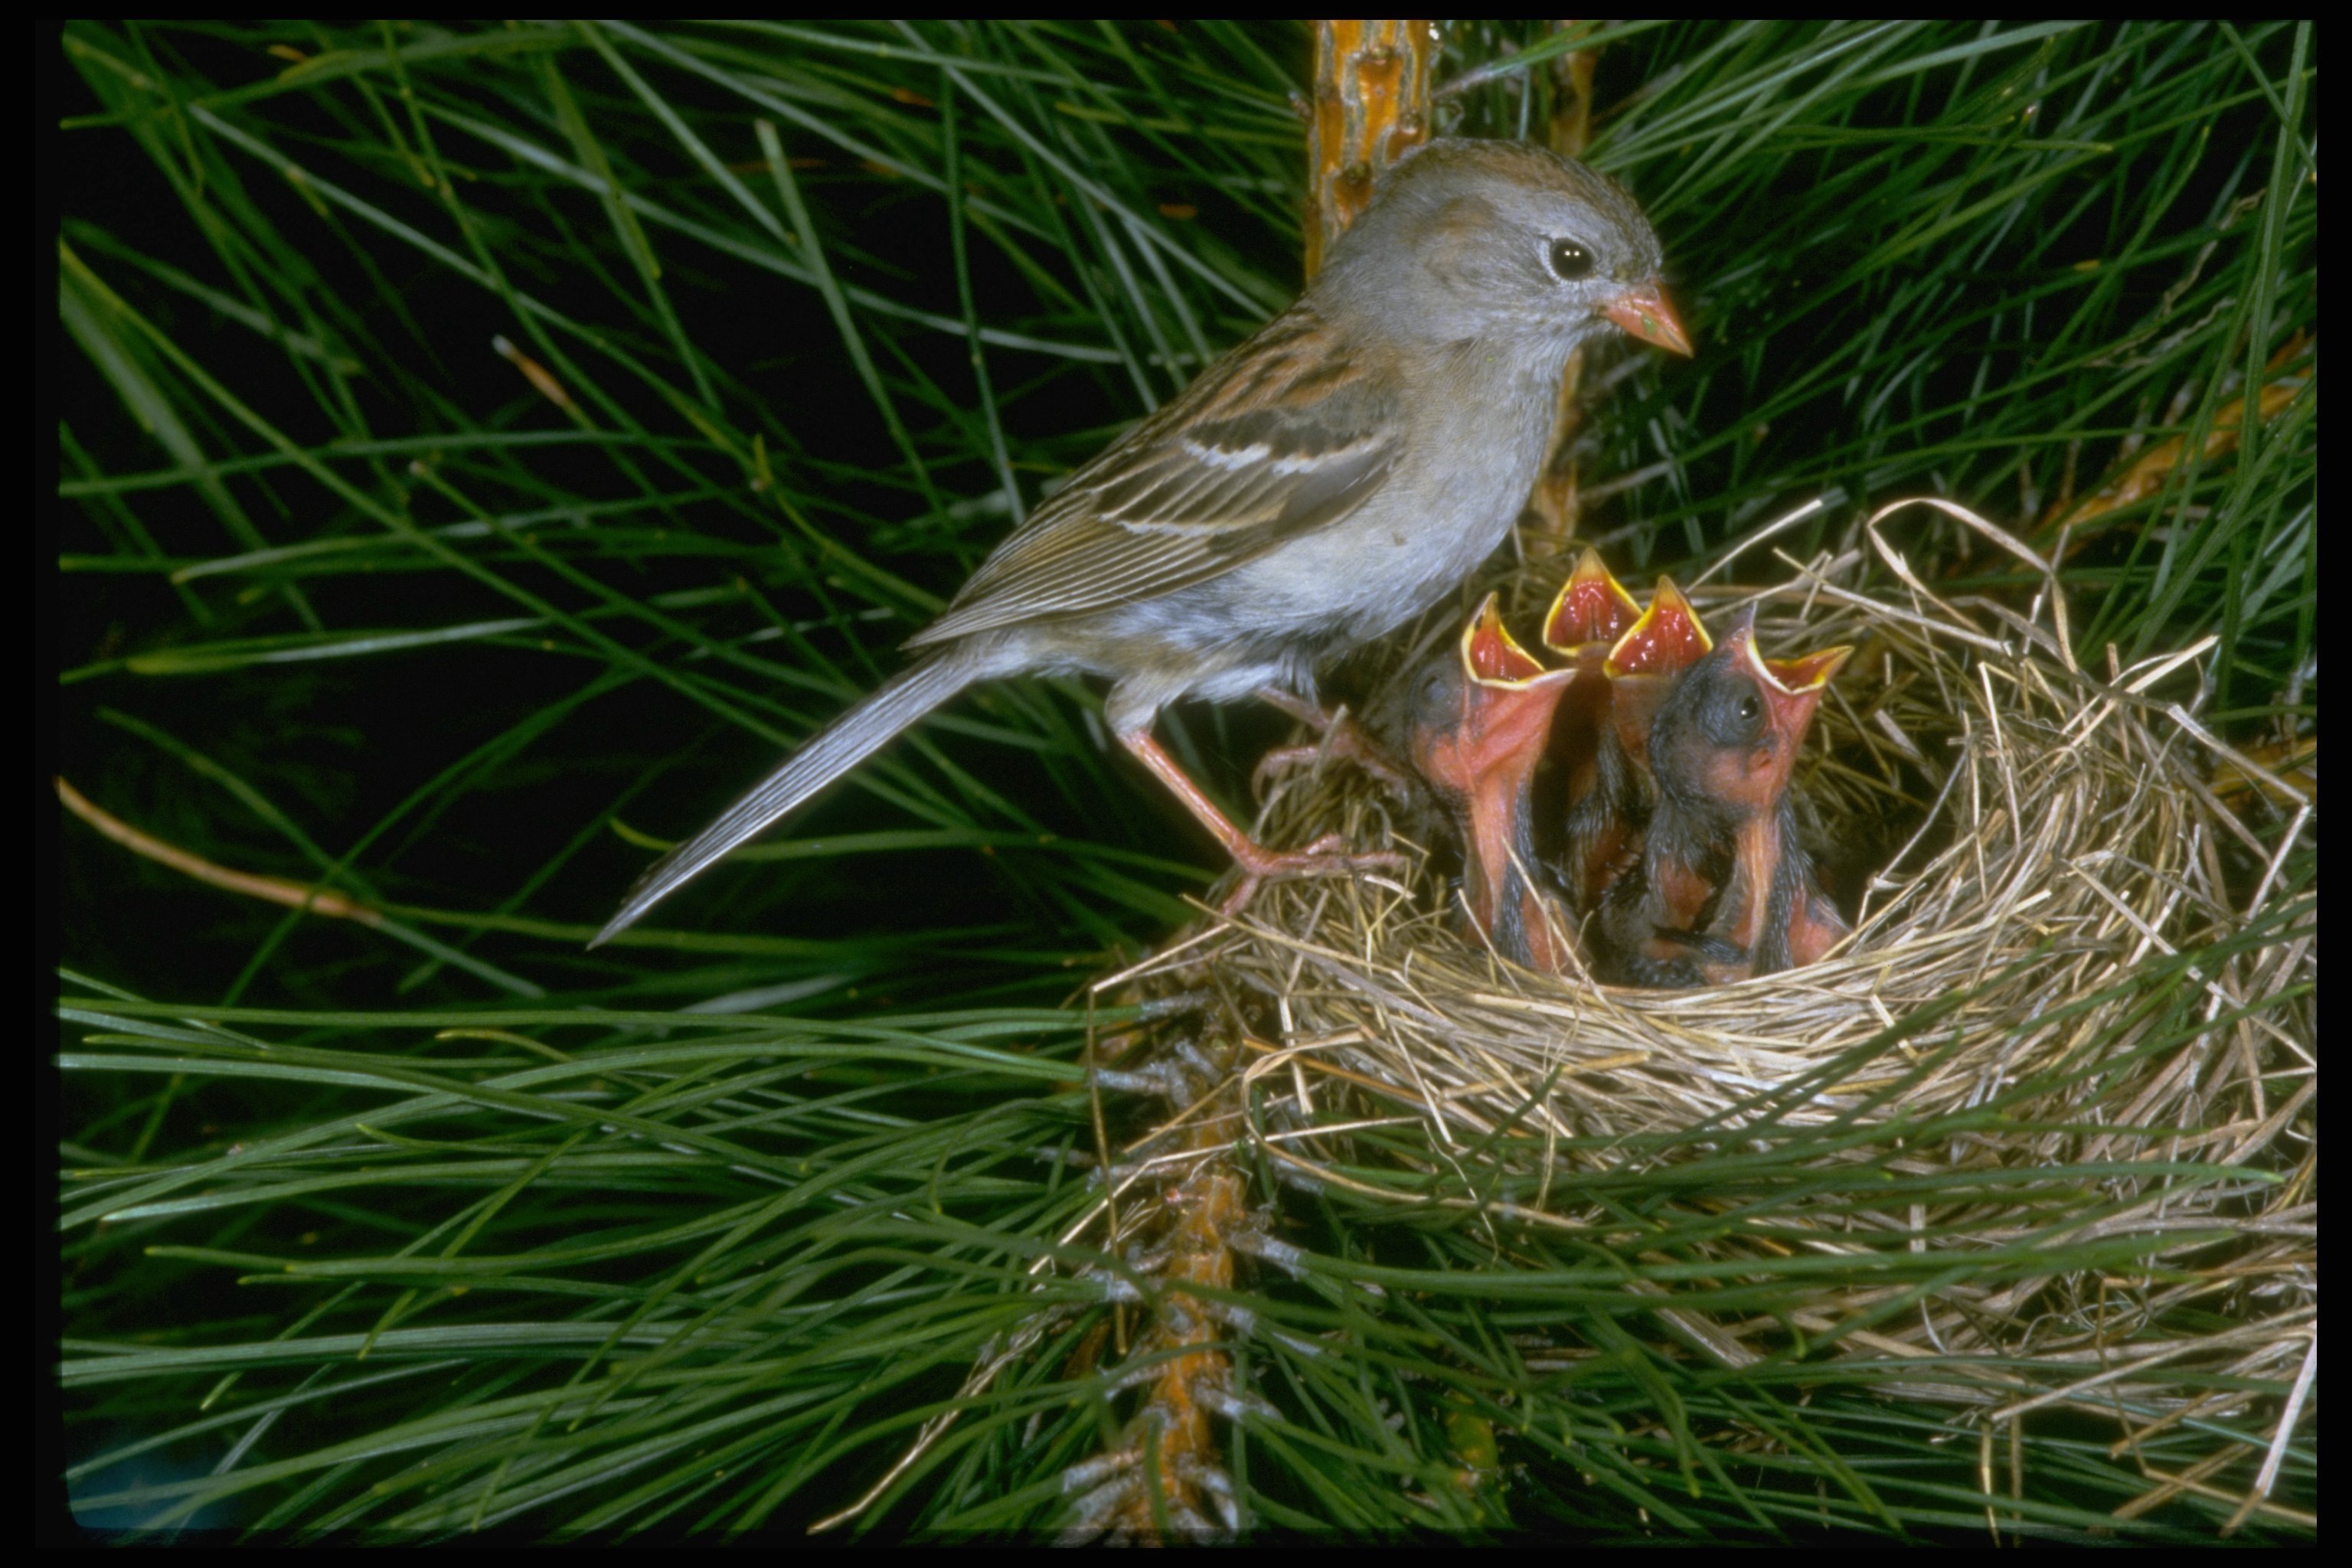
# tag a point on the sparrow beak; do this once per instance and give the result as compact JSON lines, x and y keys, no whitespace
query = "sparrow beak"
{"x":1642,"y":312}
{"x":1592,"y":607}
{"x":1666,"y":640}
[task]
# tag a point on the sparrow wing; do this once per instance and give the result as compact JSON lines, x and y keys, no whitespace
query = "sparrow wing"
{"x":1282,"y":437}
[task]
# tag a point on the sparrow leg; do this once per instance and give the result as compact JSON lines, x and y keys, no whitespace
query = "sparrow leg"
{"x":1312,"y":714}
{"x":1342,"y":737}
{"x":1329,"y":855}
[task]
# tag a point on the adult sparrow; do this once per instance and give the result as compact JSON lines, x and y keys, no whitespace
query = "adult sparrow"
{"x":1723,"y":889}
{"x":1326,"y":481}
{"x":1477,"y":715}
{"x":1606,"y":819}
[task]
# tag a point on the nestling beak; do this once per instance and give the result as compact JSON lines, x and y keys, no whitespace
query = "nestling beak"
{"x":1590,"y":613}
{"x":1485,"y":727}
{"x":1643,"y":312}
{"x":1642,"y":667}
{"x":1809,"y":670}
{"x":1511,"y":695}
{"x":1592,"y":607}
{"x":1666,"y":640}
{"x":1792,"y":687}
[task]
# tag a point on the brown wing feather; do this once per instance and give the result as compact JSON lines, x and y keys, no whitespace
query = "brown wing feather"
{"x":1278,"y":438}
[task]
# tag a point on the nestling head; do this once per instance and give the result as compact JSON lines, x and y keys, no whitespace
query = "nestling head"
{"x":1726,"y":739}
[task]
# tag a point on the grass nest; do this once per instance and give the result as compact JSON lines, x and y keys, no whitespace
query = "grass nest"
{"x":2032,"y":843}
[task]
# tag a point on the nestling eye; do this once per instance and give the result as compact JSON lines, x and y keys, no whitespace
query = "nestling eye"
{"x":1750,"y":709}
{"x":1570,"y":261}
{"x":1433,"y":698}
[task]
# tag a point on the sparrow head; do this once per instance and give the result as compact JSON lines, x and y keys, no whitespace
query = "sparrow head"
{"x":1480,"y":711}
{"x":1469,"y":240}
{"x":1726,"y":739}
{"x":1591,"y":612}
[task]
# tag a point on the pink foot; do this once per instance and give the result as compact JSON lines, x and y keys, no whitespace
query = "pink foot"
{"x":1329,"y":855}
{"x":1345,"y":738}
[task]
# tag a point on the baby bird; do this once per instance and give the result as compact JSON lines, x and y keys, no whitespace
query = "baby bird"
{"x":1476,"y":719}
{"x":1605,"y":820}
{"x":1814,"y":923}
{"x":1722,"y":889}
{"x":1590,"y":613}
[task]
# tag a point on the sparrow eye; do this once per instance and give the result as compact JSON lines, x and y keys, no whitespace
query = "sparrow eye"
{"x":1750,"y":709}
{"x":1570,"y":261}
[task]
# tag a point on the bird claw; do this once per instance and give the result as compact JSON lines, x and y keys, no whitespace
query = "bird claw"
{"x":1343,"y":738}
{"x":1329,"y":855}
{"x":1281,"y":760}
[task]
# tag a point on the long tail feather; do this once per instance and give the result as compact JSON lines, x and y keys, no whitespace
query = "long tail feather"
{"x":829,"y":753}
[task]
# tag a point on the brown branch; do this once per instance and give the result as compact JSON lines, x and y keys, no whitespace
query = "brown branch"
{"x":1371,"y":106}
{"x":1550,"y":520}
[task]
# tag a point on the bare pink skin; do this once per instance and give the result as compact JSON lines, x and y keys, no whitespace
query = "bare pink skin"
{"x":1478,"y":730}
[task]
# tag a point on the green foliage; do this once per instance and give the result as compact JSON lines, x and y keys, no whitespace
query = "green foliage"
{"x":695,"y":1232}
